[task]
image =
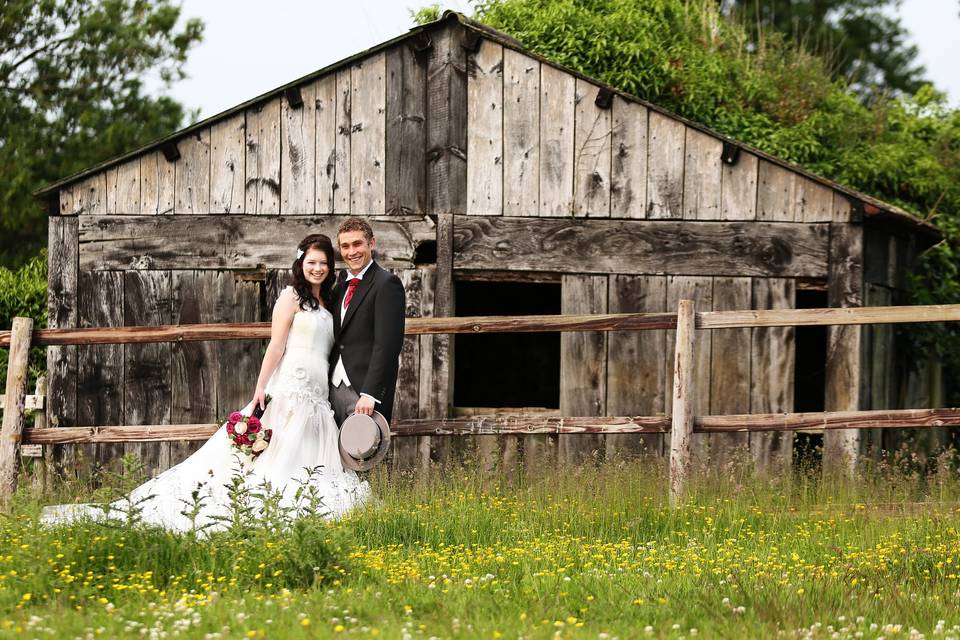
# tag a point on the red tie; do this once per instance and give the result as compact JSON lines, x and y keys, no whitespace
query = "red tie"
{"x":351,"y":287}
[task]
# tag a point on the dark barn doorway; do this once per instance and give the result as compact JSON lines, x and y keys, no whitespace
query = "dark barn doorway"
{"x":507,"y":369}
{"x":810,"y":379}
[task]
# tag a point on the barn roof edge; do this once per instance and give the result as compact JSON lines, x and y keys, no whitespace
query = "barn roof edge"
{"x":877,"y":209}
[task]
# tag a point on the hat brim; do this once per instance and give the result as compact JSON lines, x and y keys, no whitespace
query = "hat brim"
{"x":365,"y":464}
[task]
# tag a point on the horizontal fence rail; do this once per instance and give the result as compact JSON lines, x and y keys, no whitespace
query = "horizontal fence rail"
{"x":15,"y":403}
{"x":515,"y":324}
{"x":532,"y":425}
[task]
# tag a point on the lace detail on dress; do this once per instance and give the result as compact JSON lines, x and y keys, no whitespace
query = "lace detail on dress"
{"x":297,"y":385}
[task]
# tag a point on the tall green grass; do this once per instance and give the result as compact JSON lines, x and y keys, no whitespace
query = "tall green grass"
{"x":591,"y":551}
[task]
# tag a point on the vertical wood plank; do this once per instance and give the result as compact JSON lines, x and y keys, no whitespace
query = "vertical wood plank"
{"x":192,"y":180}
{"x":434,"y":369}
{"x":636,"y":364}
{"x":227,"y":165}
{"x":683,"y":399}
{"x":591,"y":158}
{"x":521,"y":134}
{"x":700,"y":290}
{"x":325,"y":143}
{"x":557,"y":115}
{"x":816,"y":201}
{"x":157,"y":179}
{"x":63,"y":249}
{"x":262,"y":187}
{"x":123,"y":188}
{"x":89,"y":195}
{"x":100,"y":367}
{"x":485,"y":130}
{"x":66,"y":201}
{"x":193,"y":365}
{"x":841,"y":208}
{"x":367,"y":147}
{"x":146,"y":377}
{"x":406,"y":135}
{"x":665,"y":158}
{"x":841,"y":448}
{"x":298,"y":132}
{"x":411,"y":452}
{"x":628,"y":171}
{"x":583,"y":365}
{"x":341,"y":184}
{"x":236,"y":301}
{"x":772,"y":355}
{"x":776,"y":193}
{"x":730,"y":372}
{"x":447,"y":123}
{"x":702,"y":176}
{"x":738,"y":192}
{"x":879,"y":368}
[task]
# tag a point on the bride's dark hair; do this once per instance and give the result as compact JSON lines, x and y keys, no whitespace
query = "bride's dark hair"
{"x":301,"y":286}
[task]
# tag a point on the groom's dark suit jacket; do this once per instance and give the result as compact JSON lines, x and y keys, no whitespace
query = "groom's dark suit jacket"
{"x":371,"y":334}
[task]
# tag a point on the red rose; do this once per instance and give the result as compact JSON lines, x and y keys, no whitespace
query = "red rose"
{"x":254,"y":424}
{"x":235,"y":417}
{"x":230,"y":430}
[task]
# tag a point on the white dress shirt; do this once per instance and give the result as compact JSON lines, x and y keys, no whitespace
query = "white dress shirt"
{"x":340,"y":372}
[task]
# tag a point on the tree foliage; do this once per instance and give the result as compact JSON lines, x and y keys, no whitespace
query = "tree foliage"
{"x":72,"y":78}
{"x":771,"y":93}
{"x":864,"y":41}
{"x":24,"y":293}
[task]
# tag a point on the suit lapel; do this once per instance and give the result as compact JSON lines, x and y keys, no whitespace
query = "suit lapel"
{"x":339,"y":290}
{"x":361,"y":292}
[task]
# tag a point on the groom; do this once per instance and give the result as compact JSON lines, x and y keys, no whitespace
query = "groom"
{"x":368,"y":323}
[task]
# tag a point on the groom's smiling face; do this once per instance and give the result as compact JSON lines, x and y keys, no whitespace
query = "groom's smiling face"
{"x":356,"y":250}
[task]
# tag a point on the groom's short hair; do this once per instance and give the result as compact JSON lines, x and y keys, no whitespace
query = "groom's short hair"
{"x":356,"y":224}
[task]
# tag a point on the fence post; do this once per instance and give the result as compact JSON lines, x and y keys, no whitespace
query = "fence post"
{"x":681,"y":427}
{"x":16,"y":392}
{"x":42,"y":476}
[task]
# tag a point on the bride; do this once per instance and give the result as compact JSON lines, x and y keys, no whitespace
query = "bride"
{"x":303,"y":448}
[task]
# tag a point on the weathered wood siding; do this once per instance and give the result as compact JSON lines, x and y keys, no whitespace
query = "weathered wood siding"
{"x":504,"y":162}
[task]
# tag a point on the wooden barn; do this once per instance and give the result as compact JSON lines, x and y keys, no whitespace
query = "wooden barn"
{"x":499,"y":183}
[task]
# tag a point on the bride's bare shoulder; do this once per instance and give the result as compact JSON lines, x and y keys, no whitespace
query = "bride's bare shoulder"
{"x":287,"y":300}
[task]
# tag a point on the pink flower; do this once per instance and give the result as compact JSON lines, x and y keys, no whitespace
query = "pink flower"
{"x":230,"y":430}
{"x":235,"y":417}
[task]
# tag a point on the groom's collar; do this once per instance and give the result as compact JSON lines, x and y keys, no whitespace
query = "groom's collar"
{"x":360,"y":275}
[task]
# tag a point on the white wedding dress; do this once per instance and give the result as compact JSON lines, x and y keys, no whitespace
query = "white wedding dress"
{"x":304,"y":438}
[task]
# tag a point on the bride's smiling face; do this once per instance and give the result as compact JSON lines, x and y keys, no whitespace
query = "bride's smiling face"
{"x":315,"y":267}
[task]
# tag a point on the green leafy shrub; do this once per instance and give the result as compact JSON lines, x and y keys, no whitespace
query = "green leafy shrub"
{"x":24,"y":293}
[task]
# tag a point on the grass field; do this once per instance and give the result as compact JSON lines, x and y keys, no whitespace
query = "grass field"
{"x":592,"y":552}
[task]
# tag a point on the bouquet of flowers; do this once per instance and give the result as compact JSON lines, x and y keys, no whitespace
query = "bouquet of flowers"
{"x":247,"y":434}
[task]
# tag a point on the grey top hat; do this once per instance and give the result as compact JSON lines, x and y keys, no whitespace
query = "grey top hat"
{"x":364,"y":440}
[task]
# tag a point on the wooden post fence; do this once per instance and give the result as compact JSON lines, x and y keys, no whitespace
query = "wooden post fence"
{"x":16,"y":397}
{"x":681,"y":425}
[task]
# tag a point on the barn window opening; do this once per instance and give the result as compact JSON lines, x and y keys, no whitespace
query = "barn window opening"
{"x":810,"y":377}
{"x":425,"y":253}
{"x":507,"y":369}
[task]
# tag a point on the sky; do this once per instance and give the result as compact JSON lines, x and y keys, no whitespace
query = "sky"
{"x":253,"y":46}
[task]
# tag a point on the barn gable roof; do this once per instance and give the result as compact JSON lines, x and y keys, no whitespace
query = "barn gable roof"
{"x":419,"y":39}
